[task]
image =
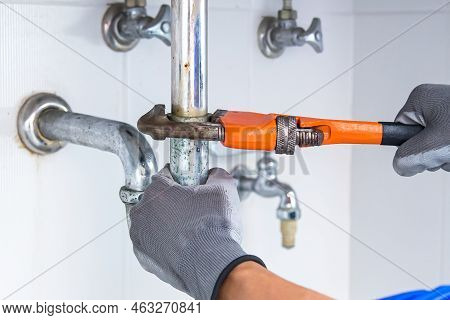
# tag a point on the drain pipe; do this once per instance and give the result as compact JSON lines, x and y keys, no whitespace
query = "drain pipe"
{"x":46,"y":124}
{"x":189,"y":160}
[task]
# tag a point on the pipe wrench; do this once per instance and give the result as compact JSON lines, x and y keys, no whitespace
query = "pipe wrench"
{"x":272,"y":132}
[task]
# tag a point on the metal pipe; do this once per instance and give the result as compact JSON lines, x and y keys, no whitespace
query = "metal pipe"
{"x":119,"y":138}
{"x":189,"y":160}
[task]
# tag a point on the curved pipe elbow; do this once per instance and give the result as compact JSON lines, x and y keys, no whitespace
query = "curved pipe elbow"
{"x":125,"y":141}
{"x":137,"y":157}
{"x":45,"y":124}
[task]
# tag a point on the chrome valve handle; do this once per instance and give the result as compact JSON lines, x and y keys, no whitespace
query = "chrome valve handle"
{"x":159,"y":27}
{"x":312,"y":36}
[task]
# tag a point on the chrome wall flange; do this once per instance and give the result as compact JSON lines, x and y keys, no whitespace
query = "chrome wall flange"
{"x":125,"y":24}
{"x":265,"y":44}
{"x":110,"y":29}
{"x":28,"y":122}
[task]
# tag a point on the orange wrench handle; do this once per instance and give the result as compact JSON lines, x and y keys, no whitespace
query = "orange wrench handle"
{"x":256,"y":131}
{"x":345,"y":132}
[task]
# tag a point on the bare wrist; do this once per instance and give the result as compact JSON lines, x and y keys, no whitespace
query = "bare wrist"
{"x":251,"y":281}
{"x":239,"y":280}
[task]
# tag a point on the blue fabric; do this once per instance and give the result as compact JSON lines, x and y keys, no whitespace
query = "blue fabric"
{"x":440,"y":293}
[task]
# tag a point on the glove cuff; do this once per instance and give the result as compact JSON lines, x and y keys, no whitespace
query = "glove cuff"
{"x":230,"y":268}
{"x":210,"y":260}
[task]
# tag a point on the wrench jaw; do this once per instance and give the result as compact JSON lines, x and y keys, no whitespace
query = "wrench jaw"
{"x":161,"y":126}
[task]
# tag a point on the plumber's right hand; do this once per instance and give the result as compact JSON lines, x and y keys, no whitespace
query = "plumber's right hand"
{"x":189,"y":236}
{"x":429,"y":106}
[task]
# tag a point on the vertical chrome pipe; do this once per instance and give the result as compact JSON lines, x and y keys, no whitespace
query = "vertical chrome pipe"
{"x":189,"y":159}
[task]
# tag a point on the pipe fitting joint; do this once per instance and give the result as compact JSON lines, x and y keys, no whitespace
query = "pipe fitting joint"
{"x":46,"y":124}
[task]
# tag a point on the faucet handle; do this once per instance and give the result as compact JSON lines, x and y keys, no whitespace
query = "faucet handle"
{"x":124,"y":24}
{"x":159,"y":27}
{"x":313,"y":36}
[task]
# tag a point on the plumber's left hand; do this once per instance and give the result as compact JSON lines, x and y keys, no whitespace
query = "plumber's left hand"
{"x":189,"y":236}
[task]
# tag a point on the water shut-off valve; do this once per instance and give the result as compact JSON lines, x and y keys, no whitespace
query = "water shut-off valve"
{"x":275,"y":34}
{"x":125,"y":24}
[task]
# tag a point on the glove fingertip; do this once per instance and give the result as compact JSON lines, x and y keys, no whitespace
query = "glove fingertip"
{"x":446,"y":167}
{"x":218,"y":171}
{"x":166,"y":171}
{"x":165,"y":174}
{"x":412,"y":112}
{"x":409,"y":117}
{"x":404,"y":167}
{"x":218,"y":175}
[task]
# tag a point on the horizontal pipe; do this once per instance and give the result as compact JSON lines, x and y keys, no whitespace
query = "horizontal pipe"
{"x":125,"y":141}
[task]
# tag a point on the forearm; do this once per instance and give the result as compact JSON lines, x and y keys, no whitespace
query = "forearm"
{"x":250,"y":281}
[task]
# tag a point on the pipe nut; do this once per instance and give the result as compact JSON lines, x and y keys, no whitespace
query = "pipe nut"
{"x":287,"y":14}
{"x":135,"y":3}
{"x":129,"y":196}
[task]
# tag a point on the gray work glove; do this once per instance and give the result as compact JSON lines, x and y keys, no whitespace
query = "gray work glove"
{"x":429,"y":106}
{"x":189,"y":236}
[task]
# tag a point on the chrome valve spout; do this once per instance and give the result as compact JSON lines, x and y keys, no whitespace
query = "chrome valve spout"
{"x":266,"y":184}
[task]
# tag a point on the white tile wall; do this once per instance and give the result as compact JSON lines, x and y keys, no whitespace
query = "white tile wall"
{"x":47,"y":202}
{"x":52,"y":205}
{"x":398,"y":6}
{"x":405,"y":219}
